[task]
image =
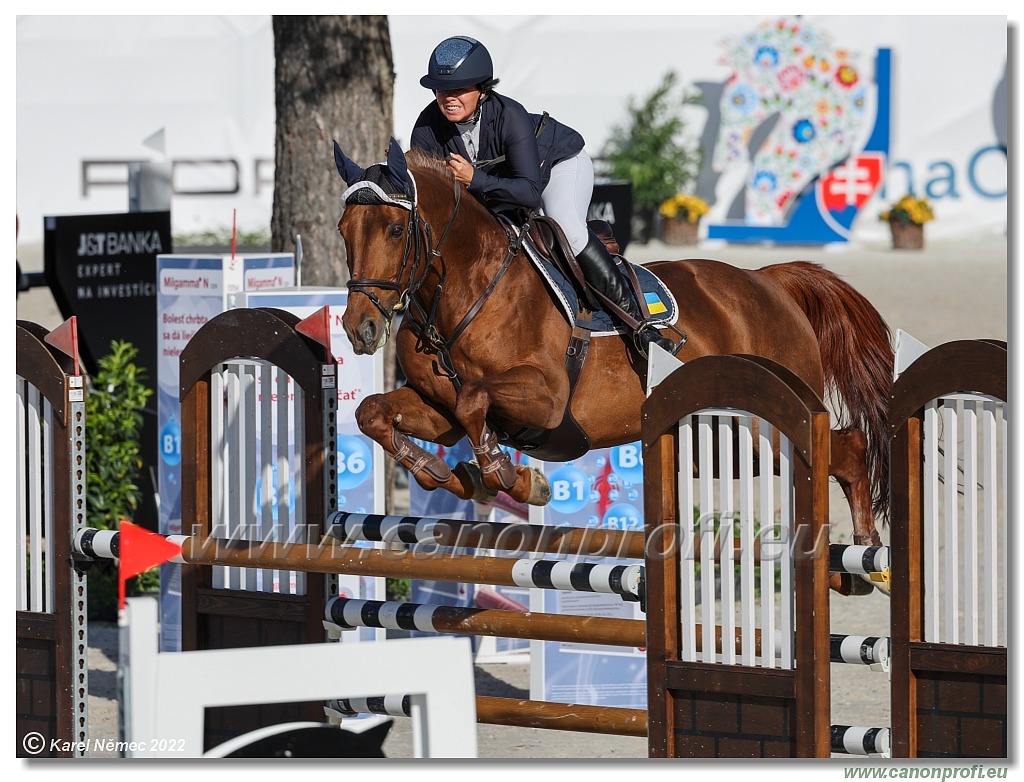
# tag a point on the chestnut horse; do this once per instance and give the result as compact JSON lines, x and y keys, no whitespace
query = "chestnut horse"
{"x":483,"y":344}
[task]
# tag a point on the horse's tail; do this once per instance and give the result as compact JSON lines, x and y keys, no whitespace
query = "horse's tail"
{"x":857,"y":358}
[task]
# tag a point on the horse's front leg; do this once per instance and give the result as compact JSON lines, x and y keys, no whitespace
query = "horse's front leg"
{"x":392,"y":418}
{"x":530,"y":399}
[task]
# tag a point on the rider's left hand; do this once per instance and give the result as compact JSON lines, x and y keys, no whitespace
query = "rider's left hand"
{"x":461,"y":168}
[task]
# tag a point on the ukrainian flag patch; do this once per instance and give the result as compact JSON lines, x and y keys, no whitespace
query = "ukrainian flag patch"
{"x":654,"y":303}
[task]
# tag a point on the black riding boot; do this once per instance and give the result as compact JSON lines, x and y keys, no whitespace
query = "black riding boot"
{"x":600,"y":271}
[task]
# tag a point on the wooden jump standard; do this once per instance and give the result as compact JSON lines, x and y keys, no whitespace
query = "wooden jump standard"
{"x":50,"y":592}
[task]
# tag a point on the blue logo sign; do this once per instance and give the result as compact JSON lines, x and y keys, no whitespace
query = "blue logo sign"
{"x":628,"y":463}
{"x":623,"y":516}
{"x":570,"y":489}
{"x":170,"y":442}
{"x":354,"y":461}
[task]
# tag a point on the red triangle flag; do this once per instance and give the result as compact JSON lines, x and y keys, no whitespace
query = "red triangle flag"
{"x":318,"y":327}
{"x":65,"y":339}
{"x":140,"y":550}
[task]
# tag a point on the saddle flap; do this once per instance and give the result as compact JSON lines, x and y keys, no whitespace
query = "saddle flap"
{"x":549,"y":240}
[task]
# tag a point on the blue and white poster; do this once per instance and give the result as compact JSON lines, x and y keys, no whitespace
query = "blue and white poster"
{"x":604,"y":489}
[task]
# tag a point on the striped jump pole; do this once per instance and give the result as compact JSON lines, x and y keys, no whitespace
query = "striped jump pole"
{"x":856,"y":740}
{"x":860,"y":649}
{"x":461,"y":533}
{"x":579,"y":541}
{"x":608,"y":720}
{"x":622,"y":580}
{"x":349,"y":613}
{"x":97,"y":543}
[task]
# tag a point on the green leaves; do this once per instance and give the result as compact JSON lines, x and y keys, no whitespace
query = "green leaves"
{"x":650,"y":150}
{"x":221,"y":237}
{"x":113,"y":415}
{"x":113,"y":409}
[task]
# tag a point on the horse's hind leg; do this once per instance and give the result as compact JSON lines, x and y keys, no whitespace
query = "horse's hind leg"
{"x":392,"y":418}
{"x":849,"y":467}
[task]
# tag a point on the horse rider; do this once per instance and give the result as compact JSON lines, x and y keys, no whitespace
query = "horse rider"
{"x":470,"y":125}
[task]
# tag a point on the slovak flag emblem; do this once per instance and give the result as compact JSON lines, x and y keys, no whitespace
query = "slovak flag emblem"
{"x":851,"y":183}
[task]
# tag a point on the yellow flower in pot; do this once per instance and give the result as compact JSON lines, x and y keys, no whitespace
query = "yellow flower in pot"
{"x":683,"y":206}
{"x":682,"y":213}
{"x":906,"y":220}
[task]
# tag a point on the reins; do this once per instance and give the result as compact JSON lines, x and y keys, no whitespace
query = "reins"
{"x":442,"y":346}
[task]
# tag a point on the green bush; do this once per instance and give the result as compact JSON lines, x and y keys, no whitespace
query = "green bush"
{"x":649,"y":150}
{"x":221,"y":237}
{"x":399,"y":589}
{"x":113,"y":409}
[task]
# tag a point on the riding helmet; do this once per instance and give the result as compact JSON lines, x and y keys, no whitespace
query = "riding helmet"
{"x":458,"y":62}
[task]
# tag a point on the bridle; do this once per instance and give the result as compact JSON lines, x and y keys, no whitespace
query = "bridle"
{"x":419,"y":257}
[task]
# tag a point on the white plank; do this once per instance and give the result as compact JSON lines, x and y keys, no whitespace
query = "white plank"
{"x":687,"y":543}
{"x":767,"y":516}
{"x":746,"y":509}
{"x":728,"y":549}
{"x":705,"y":435}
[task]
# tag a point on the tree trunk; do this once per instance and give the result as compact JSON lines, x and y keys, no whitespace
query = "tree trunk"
{"x":333,"y":79}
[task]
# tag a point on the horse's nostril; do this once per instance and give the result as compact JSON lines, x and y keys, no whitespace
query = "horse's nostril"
{"x":368,"y":332}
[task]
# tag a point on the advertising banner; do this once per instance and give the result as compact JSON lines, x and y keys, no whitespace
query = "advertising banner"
{"x":807,"y":126}
{"x":604,"y":489}
{"x":102,"y":269}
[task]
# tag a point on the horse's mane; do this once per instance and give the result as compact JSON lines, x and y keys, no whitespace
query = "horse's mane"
{"x":431,"y":162}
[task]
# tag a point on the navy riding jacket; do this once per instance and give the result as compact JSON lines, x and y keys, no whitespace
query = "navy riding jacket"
{"x":506,"y":128}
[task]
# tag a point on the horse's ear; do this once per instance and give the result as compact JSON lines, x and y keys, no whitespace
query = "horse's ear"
{"x":398,"y":168}
{"x":350,"y":172}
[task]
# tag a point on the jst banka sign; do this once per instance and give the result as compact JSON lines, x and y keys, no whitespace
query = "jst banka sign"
{"x":794,"y":115}
{"x":102,"y":268}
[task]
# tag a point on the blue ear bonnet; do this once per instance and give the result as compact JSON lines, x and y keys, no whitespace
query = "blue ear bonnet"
{"x":377,"y":188}
{"x":387,"y":182}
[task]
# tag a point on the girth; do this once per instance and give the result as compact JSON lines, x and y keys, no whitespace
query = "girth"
{"x":566,"y":441}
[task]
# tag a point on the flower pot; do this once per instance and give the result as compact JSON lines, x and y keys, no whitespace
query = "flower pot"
{"x":679,"y":231}
{"x":907,"y":236}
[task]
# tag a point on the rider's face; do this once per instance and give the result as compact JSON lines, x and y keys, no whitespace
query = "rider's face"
{"x":458,"y":105}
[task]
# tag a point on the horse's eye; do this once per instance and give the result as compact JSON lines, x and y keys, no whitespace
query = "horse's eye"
{"x":395,"y":230}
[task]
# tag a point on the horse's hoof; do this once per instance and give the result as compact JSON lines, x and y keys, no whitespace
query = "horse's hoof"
{"x":472,"y":481}
{"x":540,"y":489}
{"x":850,"y":584}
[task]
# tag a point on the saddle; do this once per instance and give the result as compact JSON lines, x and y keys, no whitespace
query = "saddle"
{"x":546,"y":238}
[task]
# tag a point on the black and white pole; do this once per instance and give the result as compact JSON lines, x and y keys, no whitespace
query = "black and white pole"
{"x":856,"y":740}
{"x":869,"y":650}
{"x":863,"y":560}
{"x":93,"y":543}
